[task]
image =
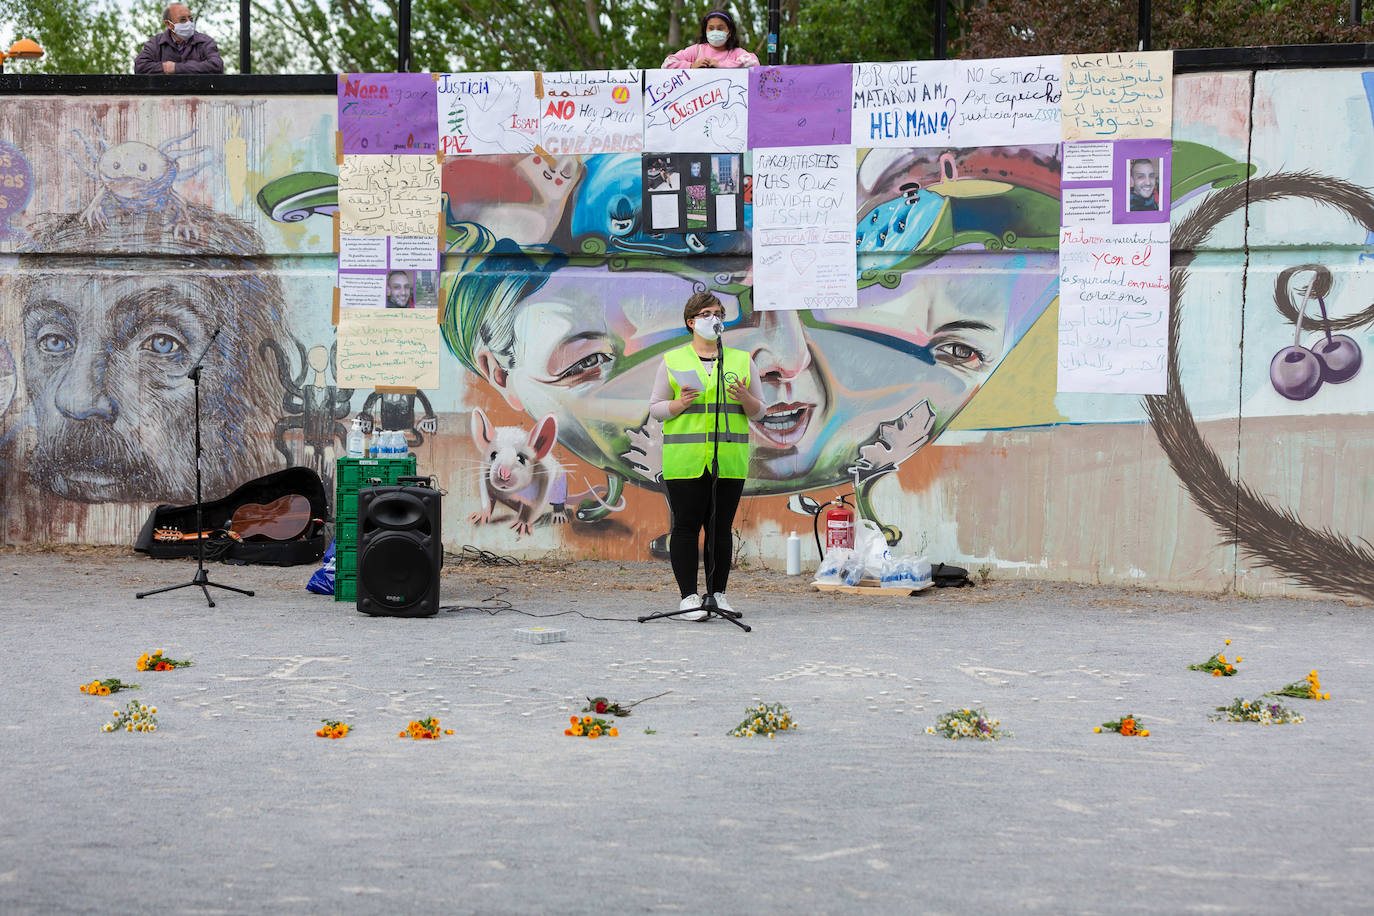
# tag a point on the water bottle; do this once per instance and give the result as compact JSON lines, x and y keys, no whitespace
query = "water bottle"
{"x":793,"y":554}
{"x":357,"y":442}
{"x":374,"y":449}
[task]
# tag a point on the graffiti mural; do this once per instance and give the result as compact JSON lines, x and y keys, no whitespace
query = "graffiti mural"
{"x":132,"y":228}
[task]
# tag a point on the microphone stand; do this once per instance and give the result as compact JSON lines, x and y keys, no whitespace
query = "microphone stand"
{"x":201,"y":579}
{"x":708,"y":604}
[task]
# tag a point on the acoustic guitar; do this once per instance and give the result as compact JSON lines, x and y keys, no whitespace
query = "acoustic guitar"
{"x":282,"y":519}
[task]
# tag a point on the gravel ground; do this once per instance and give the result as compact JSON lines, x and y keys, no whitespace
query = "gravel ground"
{"x":234,"y":806}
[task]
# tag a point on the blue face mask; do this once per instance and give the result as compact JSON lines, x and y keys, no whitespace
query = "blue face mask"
{"x":716,"y":37}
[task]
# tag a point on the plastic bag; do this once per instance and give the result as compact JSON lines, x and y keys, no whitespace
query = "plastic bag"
{"x":322,"y":582}
{"x":831,"y":564}
{"x":871,"y":547}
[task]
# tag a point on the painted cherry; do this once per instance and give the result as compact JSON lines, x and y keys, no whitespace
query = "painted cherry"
{"x":1296,"y":373}
{"x":1340,"y":358}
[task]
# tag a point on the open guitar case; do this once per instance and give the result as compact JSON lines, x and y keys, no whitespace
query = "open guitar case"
{"x":307,"y":548}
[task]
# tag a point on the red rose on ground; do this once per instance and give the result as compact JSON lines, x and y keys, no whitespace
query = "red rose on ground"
{"x":600,"y":707}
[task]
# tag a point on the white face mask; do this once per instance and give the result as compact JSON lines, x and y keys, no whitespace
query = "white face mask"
{"x":716,"y":38}
{"x":705,"y":327}
{"x":184,"y":30}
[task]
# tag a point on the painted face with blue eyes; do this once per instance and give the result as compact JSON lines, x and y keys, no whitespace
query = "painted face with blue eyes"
{"x":104,"y":370}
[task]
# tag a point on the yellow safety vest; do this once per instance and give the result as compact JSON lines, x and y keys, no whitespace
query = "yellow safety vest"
{"x":688,"y":437}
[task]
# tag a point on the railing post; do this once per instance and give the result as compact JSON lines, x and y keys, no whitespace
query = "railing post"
{"x":403,"y":38}
{"x":941,"y":13}
{"x":245,"y":37}
{"x":1143,"y":24}
{"x":774,"y":27}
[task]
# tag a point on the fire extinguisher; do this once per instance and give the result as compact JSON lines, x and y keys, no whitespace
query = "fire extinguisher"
{"x":839,"y":524}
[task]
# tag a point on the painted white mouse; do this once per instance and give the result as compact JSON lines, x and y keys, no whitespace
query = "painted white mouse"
{"x":519,"y":471}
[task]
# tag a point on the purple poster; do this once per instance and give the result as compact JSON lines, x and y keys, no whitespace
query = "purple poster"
{"x":388,"y":113}
{"x":799,"y":106}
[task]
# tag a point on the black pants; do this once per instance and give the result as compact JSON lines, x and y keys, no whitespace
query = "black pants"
{"x":690,"y":503}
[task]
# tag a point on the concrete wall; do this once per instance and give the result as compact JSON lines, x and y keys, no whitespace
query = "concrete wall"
{"x":132,"y":227}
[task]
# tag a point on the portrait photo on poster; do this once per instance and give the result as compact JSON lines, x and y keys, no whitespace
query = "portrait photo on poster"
{"x":1141,"y":181}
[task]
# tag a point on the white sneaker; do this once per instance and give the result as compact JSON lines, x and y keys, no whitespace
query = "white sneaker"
{"x":692,"y":605}
{"x":722,"y":603}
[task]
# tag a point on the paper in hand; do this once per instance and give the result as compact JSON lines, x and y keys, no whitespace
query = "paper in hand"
{"x":687,"y":378}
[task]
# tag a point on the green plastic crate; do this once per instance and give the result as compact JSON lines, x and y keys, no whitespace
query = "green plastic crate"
{"x":352,"y":475}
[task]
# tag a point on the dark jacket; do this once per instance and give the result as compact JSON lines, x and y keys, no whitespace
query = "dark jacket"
{"x":198,"y":55}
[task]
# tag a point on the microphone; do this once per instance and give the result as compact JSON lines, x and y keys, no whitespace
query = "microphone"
{"x":717,"y":325}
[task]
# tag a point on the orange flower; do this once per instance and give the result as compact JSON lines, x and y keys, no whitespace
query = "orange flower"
{"x":586,"y":720}
{"x":1216,"y":672}
{"x":567,"y":731}
{"x":614,"y":732}
{"x":574,"y":719}
{"x":448,"y":731}
{"x":1230,"y":669}
{"x":1144,"y":733}
{"x":593,"y":734}
{"x":103,"y":691}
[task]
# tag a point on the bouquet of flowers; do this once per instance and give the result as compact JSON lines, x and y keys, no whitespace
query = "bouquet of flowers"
{"x":589,"y":727}
{"x":967,"y":723}
{"x":106,"y":687}
{"x":1263,"y":711}
{"x":154,"y":661}
{"x":603,"y":706}
{"x":764,"y":719}
{"x":1218,"y":665}
{"x":423,"y":729}
{"x":1308,"y":689}
{"x":333,"y":729}
{"x":137,"y":717}
{"x":1126,"y":725}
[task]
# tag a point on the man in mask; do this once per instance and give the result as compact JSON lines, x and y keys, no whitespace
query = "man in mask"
{"x":179,"y":48}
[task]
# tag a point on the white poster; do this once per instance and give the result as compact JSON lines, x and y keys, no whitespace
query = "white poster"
{"x":487,"y":113}
{"x":1114,"y":308}
{"x":1013,"y":101}
{"x":592,"y":111}
{"x":804,"y":205}
{"x":696,"y":111}
{"x":904,"y":104}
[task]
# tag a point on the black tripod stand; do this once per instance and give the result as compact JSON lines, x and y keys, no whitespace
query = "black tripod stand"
{"x":708,"y":604}
{"x":200,"y":579}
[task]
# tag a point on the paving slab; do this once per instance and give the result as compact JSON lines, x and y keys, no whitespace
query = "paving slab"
{"x":234,"y":806}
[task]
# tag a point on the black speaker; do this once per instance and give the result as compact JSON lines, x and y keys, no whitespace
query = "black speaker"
{"x":400,"y":551}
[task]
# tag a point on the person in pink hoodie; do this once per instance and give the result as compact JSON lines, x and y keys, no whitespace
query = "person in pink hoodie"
{"x":717,"y":47}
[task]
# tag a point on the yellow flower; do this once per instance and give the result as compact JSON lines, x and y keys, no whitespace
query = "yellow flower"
{"x":1096,"y":729}
{"x":1239,"y":659}
{"x":586,"y":720}
{"x":1228,"y":642}
{"x":614,"y":732}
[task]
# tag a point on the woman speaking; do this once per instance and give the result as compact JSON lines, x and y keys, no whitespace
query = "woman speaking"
{"x":685,"y":398}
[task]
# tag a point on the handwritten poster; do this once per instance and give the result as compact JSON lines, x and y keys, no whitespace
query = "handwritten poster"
{"x":592,"y":111}
{"x":389,"y":348}
{"x":904,"y":104}
{"x":800,"y":106}
{"x":804,"y":205}
{"x":1118,"y":96}
{"x":696,"y":111}
{"x":389,"y":195}
{"x":1012,"y":101}
{"x":382,"y":113}
{"x":487,"y":113}
{"x":1114,"y":308}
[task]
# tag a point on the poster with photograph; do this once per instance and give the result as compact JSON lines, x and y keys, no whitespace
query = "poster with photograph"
{"x":388,"y":272}
{"x":693,"y":192}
